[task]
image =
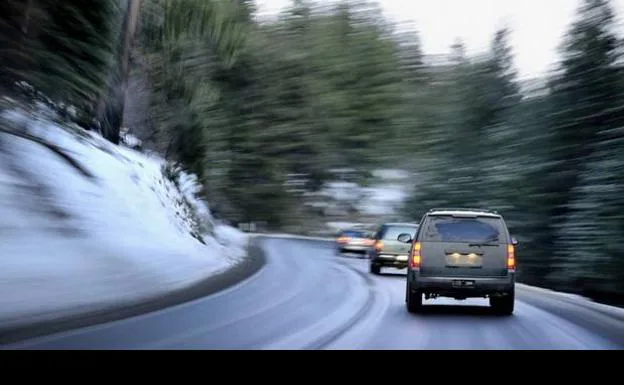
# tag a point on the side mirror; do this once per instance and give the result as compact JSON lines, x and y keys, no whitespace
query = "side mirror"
{"x":514,"y":241}
{"x":404,"y":237}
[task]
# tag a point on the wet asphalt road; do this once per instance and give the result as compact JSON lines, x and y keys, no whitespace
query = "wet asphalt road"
{"x":306,"y":297}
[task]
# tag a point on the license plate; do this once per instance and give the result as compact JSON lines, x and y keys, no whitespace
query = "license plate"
{"x":402,"y":258}
{"x":462,"y":283}
{"x":464,"y":260}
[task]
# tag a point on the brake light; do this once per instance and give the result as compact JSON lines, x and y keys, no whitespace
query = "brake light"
{"x":343,"y":239}
{"x":511,"y":257}
{"x":415,"y":257}
{"x":379,"y":245}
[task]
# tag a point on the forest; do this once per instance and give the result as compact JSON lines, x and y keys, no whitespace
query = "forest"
{"x":246,"y":103}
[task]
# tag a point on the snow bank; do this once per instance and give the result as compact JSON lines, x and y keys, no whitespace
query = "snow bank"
{"x":69,"y":241}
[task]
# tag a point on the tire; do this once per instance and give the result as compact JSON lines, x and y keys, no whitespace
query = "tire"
{"x":413,"y":300}
{"x":504,"y":305}
{"x":375,"y":268}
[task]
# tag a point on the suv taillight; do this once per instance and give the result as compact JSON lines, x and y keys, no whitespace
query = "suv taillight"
{"x":511,"y":258}
{"x":379,"y":246}
{"x":415,"y":257}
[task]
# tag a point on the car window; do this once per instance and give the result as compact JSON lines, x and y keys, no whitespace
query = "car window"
{"x":455,"y":229}
{"x":393,"y":232}
{"x":353,"y":234}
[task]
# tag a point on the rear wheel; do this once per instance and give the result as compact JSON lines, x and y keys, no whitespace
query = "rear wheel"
{"x":375,"y":268}
{"x":413,"y":300}
{"x":504,"y":305}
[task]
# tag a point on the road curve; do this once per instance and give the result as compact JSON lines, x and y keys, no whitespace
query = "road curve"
{"x":306,"y":297}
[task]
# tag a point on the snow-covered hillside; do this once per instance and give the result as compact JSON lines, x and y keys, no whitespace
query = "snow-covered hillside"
{"x":124,"y":227}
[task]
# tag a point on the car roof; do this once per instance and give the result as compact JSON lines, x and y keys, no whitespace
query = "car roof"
{"x":356,"y":230}
{"x":401,"y":224}
{"x":472,"y":212}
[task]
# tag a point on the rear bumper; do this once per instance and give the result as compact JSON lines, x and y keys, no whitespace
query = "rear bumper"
{"x":353,"y":248}
{"x":447,"y":286}
{"x":398,"y":261}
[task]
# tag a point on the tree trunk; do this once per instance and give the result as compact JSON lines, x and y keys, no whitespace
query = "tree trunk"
{"x":26,"y":22}
{"x":111,"y":111}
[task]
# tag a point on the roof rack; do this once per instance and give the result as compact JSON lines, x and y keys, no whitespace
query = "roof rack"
{"x":462,"y":209}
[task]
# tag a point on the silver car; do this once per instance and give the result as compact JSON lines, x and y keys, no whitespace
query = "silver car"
{"x":354,"y":241}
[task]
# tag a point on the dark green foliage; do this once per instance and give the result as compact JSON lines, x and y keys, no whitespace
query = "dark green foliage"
{"x":552,"y":164}
{"x":587,"y":165}
{"x":245,"y":105}
{"x":61,"y":48}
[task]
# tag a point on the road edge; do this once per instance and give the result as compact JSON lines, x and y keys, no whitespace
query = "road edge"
{"x":247,"y":267}
{"x":573,"y":299}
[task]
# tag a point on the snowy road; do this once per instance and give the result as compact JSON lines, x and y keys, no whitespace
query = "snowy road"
{"x":306,"y":297}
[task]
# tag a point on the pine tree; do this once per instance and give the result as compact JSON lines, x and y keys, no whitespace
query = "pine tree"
{"x":586,"y":179}
{"x":64,"y":50}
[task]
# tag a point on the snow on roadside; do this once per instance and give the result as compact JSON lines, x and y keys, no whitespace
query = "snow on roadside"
{"x":67,"y":241}
{"x":234,"y":240}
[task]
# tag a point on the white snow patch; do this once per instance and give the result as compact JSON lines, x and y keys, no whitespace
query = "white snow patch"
{"x":385,"y":197}
{"x":343,"y":191}
{"x":383,"y":200}
{"x":67,"y":241}
{"x":391,"y":174}
{"x":233,"y":239}
{"x":131,"y":140}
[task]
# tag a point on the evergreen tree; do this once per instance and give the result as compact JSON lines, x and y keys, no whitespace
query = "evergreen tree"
{"x":585,"y":177}
{"x":64,"y":50}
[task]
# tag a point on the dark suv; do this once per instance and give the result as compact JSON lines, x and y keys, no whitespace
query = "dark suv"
{"x":387,"y":250}
{"x":461,"y":253}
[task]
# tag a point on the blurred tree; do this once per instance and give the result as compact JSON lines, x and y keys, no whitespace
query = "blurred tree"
{"x":468,"y":145}
{"x":585,"y":177}
{"x":111,"y":106}
{"x":63,"y":50}
{"x":184,"y":44}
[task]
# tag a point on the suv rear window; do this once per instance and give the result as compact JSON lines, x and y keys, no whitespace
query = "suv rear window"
{"x":393,"y":232}
{"x":447,"y":228}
